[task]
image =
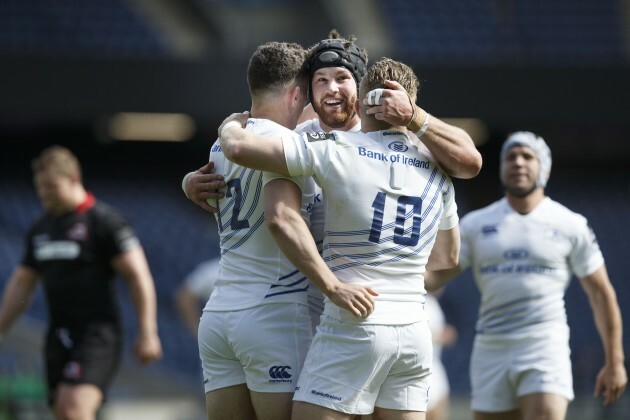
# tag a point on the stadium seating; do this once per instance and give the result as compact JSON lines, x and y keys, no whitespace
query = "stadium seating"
{"x":95,"y":28}
{"x":513,"y":32}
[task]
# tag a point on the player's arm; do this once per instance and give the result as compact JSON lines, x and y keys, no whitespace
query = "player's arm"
{"x":445,"y":251}
{"x":452,"y":147}
{"x":612,"y":378}
{"x":203,"y":185}
{"x":133,"y":267}
{"x":187,"y":304}
{"x":249,"y":149}
{"x":435,"y":280}
{"x":291,"y":233}
{"x":17,"y":296}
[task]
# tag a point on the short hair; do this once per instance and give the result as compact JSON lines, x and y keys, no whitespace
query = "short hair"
{"x":337,"y":51}
{"x":59,"y":159}
{"x":387,"y":69}
{"x":276,"y":64}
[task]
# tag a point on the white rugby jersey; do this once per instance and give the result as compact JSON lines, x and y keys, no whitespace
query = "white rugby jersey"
{"x":522,"y":264}
{"x":315,"y":296}
{"x":383,"y":204}
{"x":254,"y":271}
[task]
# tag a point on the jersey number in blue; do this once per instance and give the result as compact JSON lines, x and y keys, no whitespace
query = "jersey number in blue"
{"x":234,"y":189}
{"x":401,"y":210}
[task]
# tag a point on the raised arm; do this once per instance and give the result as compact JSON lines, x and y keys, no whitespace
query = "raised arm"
{"x":249,"y":149}
{"x":452,"y":147}
{"x":291,"y":233}
{"x":612,"y":378}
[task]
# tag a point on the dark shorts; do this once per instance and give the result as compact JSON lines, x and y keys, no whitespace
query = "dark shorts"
{"x":85,"y":355}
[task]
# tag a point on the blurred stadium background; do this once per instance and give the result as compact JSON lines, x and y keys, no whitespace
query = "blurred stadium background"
{"x":137,"y":88}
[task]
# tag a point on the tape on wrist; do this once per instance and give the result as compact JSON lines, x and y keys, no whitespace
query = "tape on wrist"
{"x":229,"y":124}
{"x":424,"y":126}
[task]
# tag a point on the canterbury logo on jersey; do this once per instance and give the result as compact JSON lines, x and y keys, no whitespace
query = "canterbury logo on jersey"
{"x":319,"y":136}
{"x":280,"y":374}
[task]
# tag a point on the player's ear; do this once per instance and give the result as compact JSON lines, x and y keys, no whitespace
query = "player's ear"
{"x":357,"y":106}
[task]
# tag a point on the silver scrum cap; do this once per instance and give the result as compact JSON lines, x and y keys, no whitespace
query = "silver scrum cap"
{"x":540,"y":148}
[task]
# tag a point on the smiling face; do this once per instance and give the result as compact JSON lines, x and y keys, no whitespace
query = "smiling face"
{"x":519,"y":171}
{"x":333,"y":95}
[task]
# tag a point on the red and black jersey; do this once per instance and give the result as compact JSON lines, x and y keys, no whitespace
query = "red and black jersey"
{"x":73,"y":255}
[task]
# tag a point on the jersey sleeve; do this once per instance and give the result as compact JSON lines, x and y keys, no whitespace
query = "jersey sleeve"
{"x":115,"y":233}
{"x":270,"y":176}
{"x":28,"y":259}
{"x":305,"y":153}
{"x":450,"y":218}
{"x":586,"y":257}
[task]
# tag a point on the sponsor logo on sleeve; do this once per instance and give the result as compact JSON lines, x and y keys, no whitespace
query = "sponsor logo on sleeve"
{"x":319,"y":136}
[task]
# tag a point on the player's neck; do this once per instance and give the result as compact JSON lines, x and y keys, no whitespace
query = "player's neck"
{"x":271,"y":112}
{"x":369,"y":124}
{"x":526,"y":203}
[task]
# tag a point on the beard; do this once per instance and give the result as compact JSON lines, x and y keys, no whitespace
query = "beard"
{"x":337,"y":119}
{"x":520,"y":192}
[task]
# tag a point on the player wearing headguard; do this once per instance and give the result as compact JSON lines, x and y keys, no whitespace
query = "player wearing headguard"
{"x":389,"y":212}
{"x":336,"y":66}
{"x":523,"y":250}
{"x":255,"y":328}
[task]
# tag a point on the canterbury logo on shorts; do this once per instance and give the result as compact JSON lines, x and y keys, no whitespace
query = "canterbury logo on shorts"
{"x":280,"y":372}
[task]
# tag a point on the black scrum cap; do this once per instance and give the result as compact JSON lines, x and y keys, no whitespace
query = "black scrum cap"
{"x":331,"y":53}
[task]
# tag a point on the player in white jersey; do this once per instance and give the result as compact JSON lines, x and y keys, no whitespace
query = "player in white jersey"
{"x":336,"y":68}
{"x":523,"y":250}
{"x":255,"y":328}
{"x":386,"y":205}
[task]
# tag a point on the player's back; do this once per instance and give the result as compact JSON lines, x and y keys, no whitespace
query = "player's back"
{"x":253,"y":270}
{"x":384,"y":202}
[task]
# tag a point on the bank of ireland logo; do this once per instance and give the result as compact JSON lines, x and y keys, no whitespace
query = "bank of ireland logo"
{"x":280,"y":372}
{"x":398,"y":146}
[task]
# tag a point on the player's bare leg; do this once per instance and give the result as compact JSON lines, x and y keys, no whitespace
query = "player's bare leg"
{"x":543,"y":405}
{"x":272,"y":406}
{"x":230,"y":403}
{"x":500,"y":415}
{"x":77,"y":402}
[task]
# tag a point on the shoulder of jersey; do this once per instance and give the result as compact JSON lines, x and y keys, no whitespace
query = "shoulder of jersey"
{"x":319,"y":136}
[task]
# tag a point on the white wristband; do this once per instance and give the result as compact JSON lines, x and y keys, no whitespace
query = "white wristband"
{"x":229,"y":124}
{"x":185,"y":180}
{"x":424,"y":127}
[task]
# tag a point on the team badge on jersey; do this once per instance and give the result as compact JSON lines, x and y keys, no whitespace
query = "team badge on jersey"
{"x":78,"y":232}
{"x":318,"y":136}
{"x":488,"y":230}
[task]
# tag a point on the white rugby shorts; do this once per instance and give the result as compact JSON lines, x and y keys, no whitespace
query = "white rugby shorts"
{"x":502,"y":370}
{"x":352,"y":368}
{"x":263,"y":347}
